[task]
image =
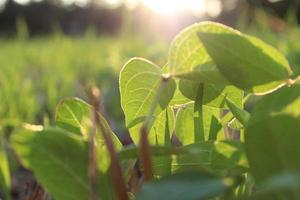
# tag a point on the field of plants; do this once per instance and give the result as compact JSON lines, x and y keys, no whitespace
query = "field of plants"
{"x":214,"y":114}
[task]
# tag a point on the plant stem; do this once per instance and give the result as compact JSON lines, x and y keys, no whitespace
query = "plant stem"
{"x":198,"y":115}
{"x":145,"y":155}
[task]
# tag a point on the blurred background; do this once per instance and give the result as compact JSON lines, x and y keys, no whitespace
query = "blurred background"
{"x":53,"y":49}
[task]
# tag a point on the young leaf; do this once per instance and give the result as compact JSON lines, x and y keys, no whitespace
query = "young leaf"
{"x":184,"y":186}
{"x":240,"y":114}
{"x":139,"y":82}
{"x":272,"y":136}
{"x":245,"y":61}
{"x":72,"y":114}
{"x":59,"y":160}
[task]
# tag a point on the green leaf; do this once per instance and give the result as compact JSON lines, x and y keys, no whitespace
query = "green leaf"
{"x":209,"y":126}
{"x":245,"y":61}
{"x":73,"y":115}
{"x":280,"y":186}
{"x":131,"y":151}
{"x":272,"y":136}
{"x":283,"y":101}
{"x":184,"y":186}
{"x":161,"y":129}
{"x":178,"y":98}
{"x":5,"y":180}
{"x":213,"y":95}
{"x":188,"y":58}
{"x":222,"y":158}
{"x":139,"y":83}
{"x":235,"y":124}
{"x":60,"y":160}
{"x":283,"y":186}
{"x":240,"y":114}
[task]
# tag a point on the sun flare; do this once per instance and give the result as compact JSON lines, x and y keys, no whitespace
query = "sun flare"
{"x":170,"y":7}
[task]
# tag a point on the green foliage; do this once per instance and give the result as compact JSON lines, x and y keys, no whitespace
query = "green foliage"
{"x":212,"y":95}
{"x":242,"y":115}
{"x":55,"y":157}
{"x":187,"y":121}
{"x":256,"y":67}
{"x":161,"y":130}
{"x":70,"y":115}
{"x":62,"y":148}
{"x":209,"y":120}
{"x":188,"y":58}
{"x":184,"y":186}
{"x":140,"y":80}
{"x":272,"y":136}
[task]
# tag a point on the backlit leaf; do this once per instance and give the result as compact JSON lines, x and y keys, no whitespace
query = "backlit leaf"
{"x":139,"y":82}
{"x":245,"y":61}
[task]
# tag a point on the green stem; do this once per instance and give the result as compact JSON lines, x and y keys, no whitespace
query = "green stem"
{"x":198,"y":115}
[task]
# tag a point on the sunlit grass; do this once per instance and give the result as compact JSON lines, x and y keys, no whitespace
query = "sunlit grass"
{"x":37,"y":73}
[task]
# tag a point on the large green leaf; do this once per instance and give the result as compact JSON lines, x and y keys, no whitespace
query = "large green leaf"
{"x":184,"y":186}
{"x":188,"y":58}
{"x":245,"y":61}
{"x":5,"y":181}
{"x":139,"y":82}
{"x":273,"y":134}
{"x":60,"y":160}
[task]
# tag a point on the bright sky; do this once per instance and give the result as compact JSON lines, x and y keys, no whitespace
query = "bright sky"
{"x":172,"y":7}
{"x":163,"y":7}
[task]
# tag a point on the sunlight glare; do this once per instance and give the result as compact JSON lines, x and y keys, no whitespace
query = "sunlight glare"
{"x":171,"y":7}
{"x":2,"y":4}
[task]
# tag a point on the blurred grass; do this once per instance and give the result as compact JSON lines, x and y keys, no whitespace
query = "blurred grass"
{"x":37,"y":73}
